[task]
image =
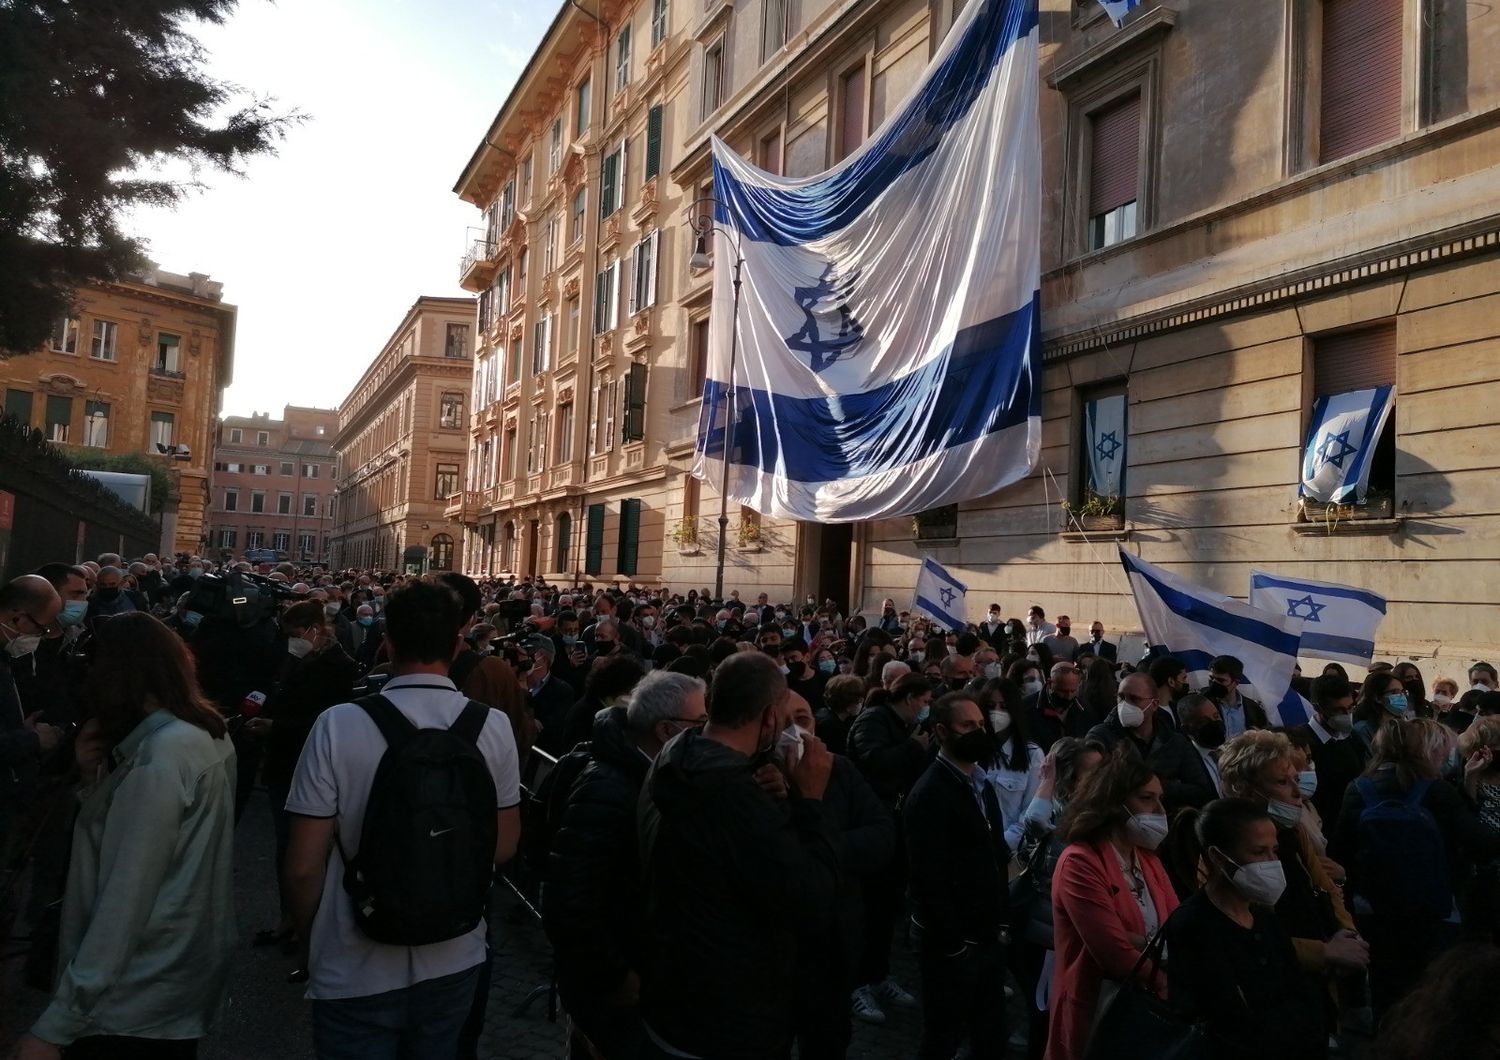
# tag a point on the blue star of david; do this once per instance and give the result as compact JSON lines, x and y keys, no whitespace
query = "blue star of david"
{"x":1107,"y":446}
{"x":826,"y":303}
{"x":1327,"y":454}
{"x":1313,"y":608}
{"x":947,"y":595}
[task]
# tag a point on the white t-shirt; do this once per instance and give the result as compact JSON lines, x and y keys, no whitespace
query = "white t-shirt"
{"x":333,"y":780}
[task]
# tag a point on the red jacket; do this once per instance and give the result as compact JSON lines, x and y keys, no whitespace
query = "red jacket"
{"x":1093,"y":913}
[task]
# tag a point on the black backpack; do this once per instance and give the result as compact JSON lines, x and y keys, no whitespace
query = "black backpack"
{"x":427,"y":851}
{"x":1403,"y":862}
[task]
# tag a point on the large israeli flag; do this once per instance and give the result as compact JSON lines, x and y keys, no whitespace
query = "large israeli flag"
{"x":1341,"y":444}
{"x":1105,"y":418}
{"x":1339,"y":621}
{"x":1118,"y":9}
{"x":1196,"y":624}
{"x":889,"y":357}
{"x":940,"y":596}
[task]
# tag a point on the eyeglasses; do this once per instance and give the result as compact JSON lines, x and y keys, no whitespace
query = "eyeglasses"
{"x":692,"y":723}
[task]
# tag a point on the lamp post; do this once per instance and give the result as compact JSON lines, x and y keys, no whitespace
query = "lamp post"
{"x":703,"y":225}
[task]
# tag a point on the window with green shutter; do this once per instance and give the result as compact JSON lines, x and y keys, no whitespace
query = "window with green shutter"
{"x":653,"y":141}
{"x":59,"y":418}
{"x":609,"y":173}
{"x":635,"y":403}
{"x":593,"y":560}
{"x":630,"y":536}
{"x":18,"y":406}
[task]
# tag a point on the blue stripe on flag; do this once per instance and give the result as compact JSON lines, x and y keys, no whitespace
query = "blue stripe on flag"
{"x":936,"y":570}
{"x":982,"y":384}
{"x":1316,"y":642}
{"x":938,"y":612}
{"x":1369,"y":599}
{"x":800,"y":214}
{"x":1205,"y":613}
{"x":1367,"y":445}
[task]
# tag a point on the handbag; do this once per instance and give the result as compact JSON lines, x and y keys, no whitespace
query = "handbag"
{"x":1135,"y":1024}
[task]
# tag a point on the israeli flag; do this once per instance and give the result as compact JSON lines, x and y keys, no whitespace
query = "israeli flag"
{"x":1196,"y":624}
{"x":1339,"y":621}
{"x":888,"y":357}
{"x":1341,"y":444}
{"x":1118,"y":9}
{"x":1105,"y":418}
{"x":940,"y":596}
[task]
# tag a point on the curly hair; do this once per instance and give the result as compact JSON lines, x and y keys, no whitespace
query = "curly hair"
{"x":1244,"y":758}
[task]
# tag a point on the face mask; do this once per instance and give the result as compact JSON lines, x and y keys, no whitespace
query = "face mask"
{"x":957,"y":683}
{"x":999,"y":721}
{"x":994,"y":616}
{"x":971,"y":746}
{"x":1442,"y":699}
{"x":107,"y":596}
{"x":1339,"y":723}
{"x":22,"y":644}
{"x":722,"y":624}
{"x":367,"y":620}
{"x":1031,"y":687}
{"x":299,"y":646}
{"x":916,"y":657}
{"x":569,"y":639}
{"x":72,"y":612}
{"x":1481,"y":685}
{"x":992,"y":670}
{"x":649,"y":622}
{"x":1130,"y":715}
{"x":1261,"y":882}
{"x":1396,"y":703}
{"x":1307,"y":782}
{"x":789,"y":746}
{"x":190,"y":620}
{"x":788,"y":632}
{"x":331,"y":610}
{"x":1283,"y":814}
{"x":922,"y":715}
{"x":1146,"y":830}
{"x":1063,"y":631}
{"x":1210,"y":735}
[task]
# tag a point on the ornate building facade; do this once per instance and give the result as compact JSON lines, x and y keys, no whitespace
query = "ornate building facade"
{"x":273,"y":482}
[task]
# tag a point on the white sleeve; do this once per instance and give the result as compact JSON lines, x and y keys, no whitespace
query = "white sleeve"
{"x":498,"y":743}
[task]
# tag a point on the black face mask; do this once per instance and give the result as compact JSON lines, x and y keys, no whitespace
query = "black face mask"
{"x":957,"y":683}
{"x":1058,"y":699}
{"x":107,"y":596}
{"x":970,"y":747}
{"x":1209,"y":735}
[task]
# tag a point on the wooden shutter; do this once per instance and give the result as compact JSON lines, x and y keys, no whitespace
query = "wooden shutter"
{"x":1361,"y":69}
{"x":594,"y":544}
{"x":564,"y":542}
{"x":601,"y":306}
{"x":653,"y":141}
{"x":630,"y":536}
{"x":18,"y":405}
{"x":635,"y":403}
{"x":1115,"y":163}
{"x":607,"y":178}
{"x":1354,"y":360}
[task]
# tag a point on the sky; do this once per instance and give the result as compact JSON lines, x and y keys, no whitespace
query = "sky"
{"x":325,"y":245}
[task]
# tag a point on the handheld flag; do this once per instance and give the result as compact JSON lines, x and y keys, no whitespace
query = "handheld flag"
{"x":888,"y":357}
{"x":1118,"y":9}
{"x":1195,"y":624}
{"x":940,"y":596}
{"x":1339,"y":620}
{"x":1341,"y":444}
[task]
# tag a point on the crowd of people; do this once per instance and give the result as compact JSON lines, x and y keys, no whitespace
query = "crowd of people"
{"x":743,"y":808}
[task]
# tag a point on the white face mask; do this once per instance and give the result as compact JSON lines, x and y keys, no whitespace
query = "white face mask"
{"x":1261,"y":882}
{"x":1442,"y":699}
{"x":1130,"y":715}
{"x":916,"y":656}
{"x":1146,"y":830}
{"x":1307,"y":782}
{"x":23,"y":645}
{"x":1284,"y":814}
{"x":649,"y":621}
{"x":299,"y":646}
{"x":1480,"y":685}
{"x":992,"y":670}
{"x":999,"y":721}
{"x":789,"y":746}
{"x":1032,"y":687}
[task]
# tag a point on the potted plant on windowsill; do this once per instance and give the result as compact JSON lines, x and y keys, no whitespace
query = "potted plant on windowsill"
{"x":685,"y":534}
{"x":1094,"y":512}
{"x":1379,"y":504}
{"x":936,"y":524}
{"x":747,"y":536}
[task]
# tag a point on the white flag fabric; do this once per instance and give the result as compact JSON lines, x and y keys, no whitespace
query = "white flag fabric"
{"x":888,"y":357}
{"x":1106,"y":426}
{"x":1339,"y":621}
{"x":1118,"y":9}
{"x":1196,"y":624}
{"x":940,"y":596}
{"x":1341,"y":444}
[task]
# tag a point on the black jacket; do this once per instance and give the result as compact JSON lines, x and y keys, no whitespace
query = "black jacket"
{"x":881,"y":745}
{"x":1255,"y":714}
{"x":551,"y":706}
{"x":1103,"y":650}
{"x":735,"y":879}
{"x":865,"y":839}
{"x":591,"y":904}
{"x":957,"y":861}
{"x":1339,"y":763}
{"x":1048,"y":724}
{"x":307,"y":688}
{"x":833,"y":730}
{"x":1175,"y":761}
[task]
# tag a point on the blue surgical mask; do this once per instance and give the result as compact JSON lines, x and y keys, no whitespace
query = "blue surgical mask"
{"x":367,"y":620}
{"x":72,"y":612}
{"x":827,"y":666}
{"x":1396,"y":703}
{"x":190,"y":619}
{"x":922,"y":714}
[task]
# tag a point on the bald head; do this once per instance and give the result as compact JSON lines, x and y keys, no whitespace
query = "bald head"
{"x":28,"y":605}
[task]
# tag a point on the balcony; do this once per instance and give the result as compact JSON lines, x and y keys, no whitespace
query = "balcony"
{"x":463,"y":507}
{"x":477,"y":267}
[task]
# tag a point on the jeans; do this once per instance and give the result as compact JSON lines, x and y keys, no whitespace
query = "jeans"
{"x":419,"y":1022}
{"x":114,"y":1047}
{"x":963,"y":994}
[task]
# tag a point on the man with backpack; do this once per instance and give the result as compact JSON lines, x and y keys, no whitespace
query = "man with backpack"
{"x":403,"y":803}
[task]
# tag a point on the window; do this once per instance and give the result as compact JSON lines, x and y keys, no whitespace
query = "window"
{"x":1361,"y":76}
{"x":96,"y":424}
{"x":643,"y":274}
{"x":310,"y":470}
{"x":653,"y":141}
{"x":697,"y":357}
{"x":1114,"y":171}
{"x":447,"y":481}
{"x":65,"y":335}
{"x":228,"y":537}
{"x":281,"y":540}
{"x":853,"y":109}
{"x":441,"y":555}
{"x":535,"y":444}
{"x":594,"y":421}
{"x":307,"y":544}
{"x":258,"y":501}
{"x":581,"y":110}
{"x":451,"y":411}
{"x":502,"y":292}
{"x":607,"y":298}
{"x":286,"y":468}
{"x":630,"y":537}
{"x":622,"y":57}
{"x":231,"y":500}
{"x":310,"y":505}
{"x":261,"y":469}
{"x":593,"y":560}
{"x":612,"y":181}
{"x":635,"y":403}
{"x":283,"y":505}
{"x":254,"y":538}
{"x":522,"y":257}
{"x":658,"y":25}
{"x":262,"y":438}
{"x":574,"y":318}
{"x":513,"y":363}
{"x":713,"y":77}
{"x":508,"y":547}
{"x":564,"y":541}
{"x":541,"y":346}
{"x":1362,"y":359}
{"x":609,"y":396}
{"x":554,"y":148}
{"x":1102,"y":450}
{"x":508,"y":205}
{"x":235,"y":436}
{"x":526,"y":179}
{"x":162,"y":425}
{"x":774,"y":28}
{"x":575,"y":216}
{"x":768,"y":154}
{"x":18,"y":406}
{"x":549,"y":245}
{"x":564,"y":448}
{"x":456,"y":342}
{"x":59,"y":417}
{"x":168,"y":350}
{"x":510,"y":452}
{"x":106,"y":334}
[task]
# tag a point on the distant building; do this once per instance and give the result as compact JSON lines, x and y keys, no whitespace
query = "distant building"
{"x":401,"y":442}
{"x":273,"y":484}
{"x":139,"y":366}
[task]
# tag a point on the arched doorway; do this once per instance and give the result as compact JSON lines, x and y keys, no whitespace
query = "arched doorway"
{"x":441,"y":557}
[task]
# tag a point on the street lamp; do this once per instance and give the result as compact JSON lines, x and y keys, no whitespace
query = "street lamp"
{"x":703,"y":226}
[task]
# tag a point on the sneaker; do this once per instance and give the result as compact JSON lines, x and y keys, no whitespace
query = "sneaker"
{"x":890,"y":990}
{"x":864,"y":1007}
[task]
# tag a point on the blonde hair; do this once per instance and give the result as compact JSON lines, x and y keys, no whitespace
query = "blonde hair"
{"x":1441,"y":681}
{"x":1415,"y":749}
{"x":1482,"y":732}
{"x":1245,"y":757}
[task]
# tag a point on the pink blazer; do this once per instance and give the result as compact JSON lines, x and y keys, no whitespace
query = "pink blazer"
{"x":1093,"y":912}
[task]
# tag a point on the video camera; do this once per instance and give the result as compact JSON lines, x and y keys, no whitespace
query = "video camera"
{"x":239,"y":597}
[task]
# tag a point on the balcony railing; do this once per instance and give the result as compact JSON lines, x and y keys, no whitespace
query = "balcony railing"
{"x":474,"y":267}
{"x":463,"y":506}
